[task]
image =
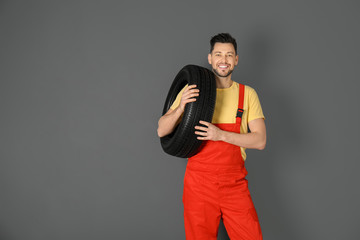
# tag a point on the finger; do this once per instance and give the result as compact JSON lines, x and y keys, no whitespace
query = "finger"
{"x":204,"y":123}
{"x":201,"y":128}
{"x":202,"y":138}
{"x":191,"y":86}
{"x":193,"y":89}
{"x":189,"y":100}
{"x":190,"y":94}
{"x":194,"y":95}
{"x":185,"y":100}
{"x":201,"y":133}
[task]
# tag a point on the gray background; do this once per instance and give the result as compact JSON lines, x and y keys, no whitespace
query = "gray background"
{"x":83,"y":84}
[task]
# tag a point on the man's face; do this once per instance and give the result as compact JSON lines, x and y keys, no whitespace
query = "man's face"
{"x":223,"y":59}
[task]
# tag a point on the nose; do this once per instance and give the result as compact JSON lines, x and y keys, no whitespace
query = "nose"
{"x":224,"y":59}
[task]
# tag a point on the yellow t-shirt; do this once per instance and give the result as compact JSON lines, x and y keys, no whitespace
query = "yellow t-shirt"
{"x":226,"y":105}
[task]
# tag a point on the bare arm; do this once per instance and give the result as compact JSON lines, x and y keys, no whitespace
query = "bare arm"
{"x":169,"y":120}
{"x":256,"y":139}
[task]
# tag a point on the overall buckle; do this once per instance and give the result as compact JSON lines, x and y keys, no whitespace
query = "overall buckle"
{"x":239,"y":112}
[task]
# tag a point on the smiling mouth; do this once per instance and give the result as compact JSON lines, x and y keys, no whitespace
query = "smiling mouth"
{"x":223,"y":67}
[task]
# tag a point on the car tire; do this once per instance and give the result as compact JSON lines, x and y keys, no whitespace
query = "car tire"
{"x":183,"y":142}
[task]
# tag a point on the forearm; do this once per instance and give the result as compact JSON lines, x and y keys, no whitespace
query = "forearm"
{"x":168,"y":122}
{"x":255,"y":140}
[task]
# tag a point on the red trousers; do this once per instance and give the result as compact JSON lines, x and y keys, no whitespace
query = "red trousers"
{"x":207,"y":197}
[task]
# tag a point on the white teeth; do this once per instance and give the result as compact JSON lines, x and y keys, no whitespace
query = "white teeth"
{"x":222,"y":66}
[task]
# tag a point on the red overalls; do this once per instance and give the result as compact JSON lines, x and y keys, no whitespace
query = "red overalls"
{"x":215,"y":187}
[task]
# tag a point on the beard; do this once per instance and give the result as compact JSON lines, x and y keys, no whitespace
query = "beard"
{"x":220,"y":75}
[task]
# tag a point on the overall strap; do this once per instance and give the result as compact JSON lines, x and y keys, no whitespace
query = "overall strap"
{"x":240,"y":109}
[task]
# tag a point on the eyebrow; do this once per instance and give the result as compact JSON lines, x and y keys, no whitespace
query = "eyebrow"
{"x":220,"y":52}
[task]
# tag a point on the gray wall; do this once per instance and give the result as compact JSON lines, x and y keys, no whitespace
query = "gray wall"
{"x":83,"y":84}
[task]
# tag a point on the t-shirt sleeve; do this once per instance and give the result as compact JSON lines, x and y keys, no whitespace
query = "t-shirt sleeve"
{"x":255,"y":110}
{"x":176,"y":103}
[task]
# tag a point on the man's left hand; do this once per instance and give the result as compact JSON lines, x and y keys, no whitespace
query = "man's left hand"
{"x":210,"y":132}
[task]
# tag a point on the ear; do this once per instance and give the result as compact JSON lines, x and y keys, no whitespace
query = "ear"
{"x":209,"y":58}
{"x":236,"y":59}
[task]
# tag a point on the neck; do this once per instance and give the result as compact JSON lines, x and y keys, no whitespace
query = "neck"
{"x":223,"y":82}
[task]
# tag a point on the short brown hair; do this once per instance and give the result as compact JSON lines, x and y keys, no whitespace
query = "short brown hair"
{"x":222,"y":38}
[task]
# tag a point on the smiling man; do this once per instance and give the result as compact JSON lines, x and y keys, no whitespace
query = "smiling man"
{"x":214,"y":184}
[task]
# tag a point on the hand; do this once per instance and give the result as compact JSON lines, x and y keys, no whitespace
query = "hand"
{"x":210,"y":132}
{"x":188,"y":96}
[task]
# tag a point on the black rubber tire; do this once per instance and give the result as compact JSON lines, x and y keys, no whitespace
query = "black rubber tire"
{"x":183,"y":142}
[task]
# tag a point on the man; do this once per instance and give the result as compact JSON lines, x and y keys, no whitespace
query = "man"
{"x":214,"y":184}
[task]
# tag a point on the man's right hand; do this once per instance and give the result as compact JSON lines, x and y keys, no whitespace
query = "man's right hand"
{"x":188,"y":95}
